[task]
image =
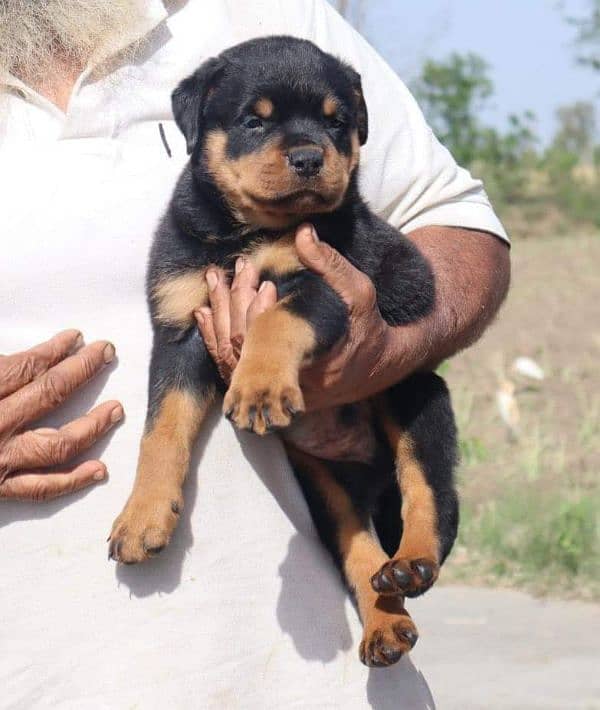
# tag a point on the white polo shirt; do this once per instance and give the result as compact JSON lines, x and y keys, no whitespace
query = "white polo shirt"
{"x":244,"y":609}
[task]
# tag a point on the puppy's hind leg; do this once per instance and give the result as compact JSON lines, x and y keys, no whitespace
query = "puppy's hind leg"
{"x":417,"y":418}
{"x":343,"y":526}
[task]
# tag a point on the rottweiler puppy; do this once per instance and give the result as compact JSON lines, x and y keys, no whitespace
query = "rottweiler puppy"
{"x":274,"y":128}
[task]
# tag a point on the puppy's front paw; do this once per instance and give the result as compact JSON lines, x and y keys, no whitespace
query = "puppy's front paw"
{"x":144,"y":527}
{"x":408,"y":578}
{"x":262,"y":401}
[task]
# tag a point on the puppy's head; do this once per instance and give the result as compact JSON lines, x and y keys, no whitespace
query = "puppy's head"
{"x":276,"y":124}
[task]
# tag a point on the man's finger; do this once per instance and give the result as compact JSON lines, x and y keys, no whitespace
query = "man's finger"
{"x":352,"y":285}
{"x":243,"y":291}
{"x":218,"y":296}
{"x":20,"y":369}
{"x":49,"y":447}
{"x":265,"y":298}
{"x":225,"y":362}
{"x":204,"y":319}
{"x":51,"y":389}
{"x":39,"y":486}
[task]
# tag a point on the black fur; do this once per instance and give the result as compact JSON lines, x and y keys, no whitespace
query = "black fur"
{"x":421,"y":406}
{"x":200,"y":228}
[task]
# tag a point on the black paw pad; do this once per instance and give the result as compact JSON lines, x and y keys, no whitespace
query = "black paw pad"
{"x":424,"y":569}
{"x":382,"y":583}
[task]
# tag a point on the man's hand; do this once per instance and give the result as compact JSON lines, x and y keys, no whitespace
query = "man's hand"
{"x":471,"y":270}
{"x":349,"y":372}
{"x":341,"y":376}
{"x":33,"y":383}
{"x":232,"y":310}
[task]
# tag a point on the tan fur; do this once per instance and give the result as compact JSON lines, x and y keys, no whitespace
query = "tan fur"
{"x":251,"y":183}
{"x":264,"y":108}
{"x":330,"y":106}
{"x":420,"y":538}
{"x":177,"y":297}
{"x":279,"y":257}
{"x":384,"y":619}
{"x":279,"y":336}
{"x":267,"y":375}
{"x":152,"y":511}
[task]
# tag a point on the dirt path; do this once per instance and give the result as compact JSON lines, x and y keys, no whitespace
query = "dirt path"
{"x":485,"y":649}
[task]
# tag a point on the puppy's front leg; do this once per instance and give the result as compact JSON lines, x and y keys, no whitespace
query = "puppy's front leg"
{"x":265,"y":393}
{"x":181,"y":392}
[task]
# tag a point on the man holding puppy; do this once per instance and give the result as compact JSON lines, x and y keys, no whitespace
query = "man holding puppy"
{"x":244,"y":596}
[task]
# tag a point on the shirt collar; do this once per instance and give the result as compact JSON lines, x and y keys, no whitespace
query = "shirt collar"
{"x":153,"y":13}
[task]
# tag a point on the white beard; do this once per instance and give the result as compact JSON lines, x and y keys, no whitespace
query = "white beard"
{"x":35,"y":34}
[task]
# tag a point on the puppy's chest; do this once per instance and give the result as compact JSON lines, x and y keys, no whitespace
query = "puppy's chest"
{"x":274,"y":258}
{"x":175,"y":297}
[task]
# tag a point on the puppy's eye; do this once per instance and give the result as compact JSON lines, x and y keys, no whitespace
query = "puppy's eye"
{"x":335,"y":122}
{"x":252,"y":122}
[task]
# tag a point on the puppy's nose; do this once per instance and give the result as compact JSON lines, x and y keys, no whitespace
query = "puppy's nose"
{"x":306,"y":161}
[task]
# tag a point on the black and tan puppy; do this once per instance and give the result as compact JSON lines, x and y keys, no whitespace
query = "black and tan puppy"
{"x":274,"y":127}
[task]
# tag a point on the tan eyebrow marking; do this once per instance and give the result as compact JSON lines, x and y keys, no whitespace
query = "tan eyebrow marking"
{"x":264,"y":108}
{"x":330,"y":106}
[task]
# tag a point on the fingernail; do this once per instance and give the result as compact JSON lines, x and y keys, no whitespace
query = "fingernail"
{"x":78,"y":342}
{"x":109,"y":353}
{"x":314,"y":235}
{"x":116,"y":415}
{"x":263,"y":286}
{"x":199,"y":316}
{"x":212,"y":280}
{"x":239,"y":264}
{"x":99,"y":475}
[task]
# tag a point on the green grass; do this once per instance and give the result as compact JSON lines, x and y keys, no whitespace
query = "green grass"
{"x":472,"y":451}
{"x":547,"y":543}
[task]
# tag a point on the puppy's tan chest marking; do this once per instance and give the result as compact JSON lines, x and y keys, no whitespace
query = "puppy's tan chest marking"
{"x":176,"y":298}
{"x":278,"y":257}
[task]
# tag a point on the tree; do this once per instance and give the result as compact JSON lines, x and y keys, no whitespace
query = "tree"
{"x":588,"y":35}
{"x":505,"y":159}
{"x":577,"y":130}
{"x":452,"y":94}
{"x":569,"y":164}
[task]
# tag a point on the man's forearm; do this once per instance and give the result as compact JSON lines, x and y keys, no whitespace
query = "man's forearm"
{"x":471,"y":271}
{"x":472,"y":274}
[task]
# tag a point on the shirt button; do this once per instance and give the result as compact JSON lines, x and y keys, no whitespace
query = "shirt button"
{"x":18,"y":92}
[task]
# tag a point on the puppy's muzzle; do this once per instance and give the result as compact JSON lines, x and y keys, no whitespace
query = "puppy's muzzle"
{"x":306,"y":161}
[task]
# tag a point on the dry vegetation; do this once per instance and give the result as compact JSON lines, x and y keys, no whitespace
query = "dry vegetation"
{"x":531,"y":502}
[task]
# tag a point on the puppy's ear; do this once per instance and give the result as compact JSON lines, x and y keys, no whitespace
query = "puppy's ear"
{"x":362,"y":117}
{"x":189,"y":99}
